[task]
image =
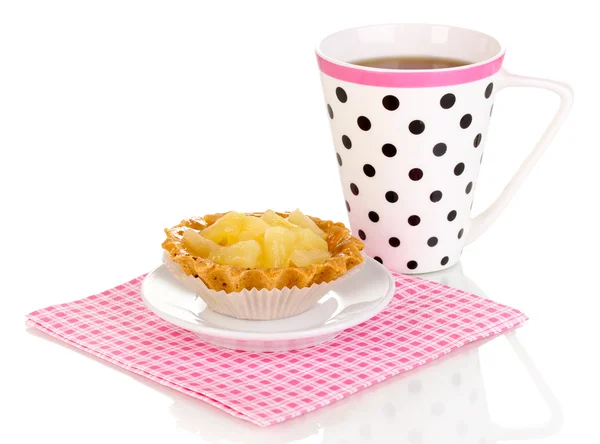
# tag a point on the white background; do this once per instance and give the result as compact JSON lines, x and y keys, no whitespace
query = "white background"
{"x":120,"y":118}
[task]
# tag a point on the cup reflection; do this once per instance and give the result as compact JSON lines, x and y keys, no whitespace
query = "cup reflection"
{"x":441,"y":402}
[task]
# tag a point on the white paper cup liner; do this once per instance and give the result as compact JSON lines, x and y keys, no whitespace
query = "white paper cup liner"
{"x":257,"y":304}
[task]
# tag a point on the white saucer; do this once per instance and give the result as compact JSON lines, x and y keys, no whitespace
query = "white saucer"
{"x":358,"y":298}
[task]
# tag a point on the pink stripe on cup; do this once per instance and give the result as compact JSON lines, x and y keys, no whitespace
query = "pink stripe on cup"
{"x":410,"y":79}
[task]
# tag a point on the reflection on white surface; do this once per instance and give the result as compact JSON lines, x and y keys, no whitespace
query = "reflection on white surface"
{"x":442,"y":402}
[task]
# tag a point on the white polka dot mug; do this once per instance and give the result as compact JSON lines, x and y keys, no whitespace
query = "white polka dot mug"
{"x":409,"y":143}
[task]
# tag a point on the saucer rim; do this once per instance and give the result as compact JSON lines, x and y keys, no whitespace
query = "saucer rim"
{"x":216,"y":332}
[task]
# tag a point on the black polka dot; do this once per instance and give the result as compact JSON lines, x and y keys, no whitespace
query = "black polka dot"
{"x":373,"y":216}
{"x":444,"y":260}
{"x":389,"y":150}
{"x":339,"y":159}
{"x":363,"y":123}
{"x":451,"y":215}
{"x":465,"y":121}
{"x":436,"y":196}
{"x":412,"y":265}
{"x":369,"y":170}
{"x":391,"y":196}
{"x":414,"y":220}
{"x":347,"y":142}
{"x":341,"y":94}
{"x":439,"y":149}
{"x":378,"y":259}
{"x":432,"y":241}
{"x":390,"y":103}
{"x":416,"y":127}
{"x":415,"y":174}
{"x":460,"y":233}
{"x":330,"y":111}
{"x":488,"y":90}
{"x":459,"y":169}
{"x":447,"y":101}
{"x":354,"y":189}
{"x":362,"y":234}
{"x":469,"y":187}
{"x":347,"y":206}
{"x":477,"y":140}
{"x":394,"y":242}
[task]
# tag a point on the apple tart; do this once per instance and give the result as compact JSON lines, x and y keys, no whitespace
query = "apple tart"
{"x":230,"y":255}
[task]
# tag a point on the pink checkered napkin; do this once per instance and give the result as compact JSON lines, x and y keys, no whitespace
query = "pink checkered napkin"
{"x":424,"y":321}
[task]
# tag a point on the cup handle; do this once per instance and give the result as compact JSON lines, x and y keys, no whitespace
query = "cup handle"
{"x":482,"y":222}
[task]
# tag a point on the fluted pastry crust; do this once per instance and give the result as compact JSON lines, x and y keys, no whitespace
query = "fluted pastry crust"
{"x":345,"y":252}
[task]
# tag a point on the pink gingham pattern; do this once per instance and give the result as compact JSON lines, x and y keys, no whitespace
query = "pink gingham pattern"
{"x":424,"y":321}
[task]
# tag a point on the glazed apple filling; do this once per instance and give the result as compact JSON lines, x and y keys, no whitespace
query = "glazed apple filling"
{"x":268,"y":241}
